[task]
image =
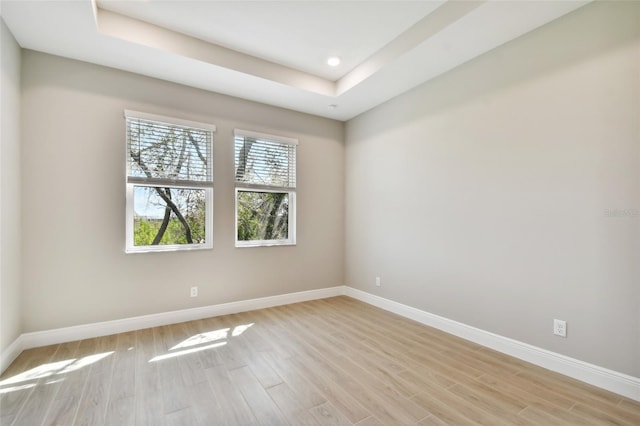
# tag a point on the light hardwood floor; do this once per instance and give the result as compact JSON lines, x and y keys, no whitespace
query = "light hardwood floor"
{"x":331,"y":361}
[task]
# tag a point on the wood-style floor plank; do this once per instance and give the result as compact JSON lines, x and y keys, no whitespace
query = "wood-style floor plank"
{"x":333,"y":361}
{"x":204,"y":404}
{"x":326,"y":414}
{"x":148,"y":396}
{"x":36,"y":406}
{"x":307,"y":394}
{"x":121,"y":411}
{"x":233,"y":405}
{"x":261,"y":404}
{"x":431,"y":421}
{"x":290,"y":405}
{"x":370,"y":421}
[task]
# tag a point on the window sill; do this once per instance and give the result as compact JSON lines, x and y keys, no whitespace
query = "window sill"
{"x":168,"y":248}
{"x":264,"y":243}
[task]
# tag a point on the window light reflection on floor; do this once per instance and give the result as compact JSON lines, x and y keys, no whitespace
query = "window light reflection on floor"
{"x":28,"y":379}
{"x":186,"y":351}
{"x":196,"y":343}
{"x":240,"y":329}
{"x":202,"y":338}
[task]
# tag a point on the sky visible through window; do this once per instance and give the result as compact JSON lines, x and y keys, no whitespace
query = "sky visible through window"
{"x":148,"y":204}
{"x":171,"y":181}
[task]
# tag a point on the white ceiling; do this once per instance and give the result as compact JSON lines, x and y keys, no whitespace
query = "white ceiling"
{"x":275,"y":52}
{"x":283,"y":32}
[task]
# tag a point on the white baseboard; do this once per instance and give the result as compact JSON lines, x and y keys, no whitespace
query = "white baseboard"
{"x":610,"y":380}
{"x":10,"y":354}
{"x":86,"y":331}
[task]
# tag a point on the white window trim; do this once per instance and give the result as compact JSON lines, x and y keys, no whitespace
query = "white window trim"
{"x":131,"y":183}
{"x":291,"y":241}
{"x":165,"y":119}
{"x":265,"y":136}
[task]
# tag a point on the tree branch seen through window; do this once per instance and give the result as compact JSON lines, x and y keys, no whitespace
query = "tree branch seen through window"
{"x":170,"y":184}
{"x":265,"y":173}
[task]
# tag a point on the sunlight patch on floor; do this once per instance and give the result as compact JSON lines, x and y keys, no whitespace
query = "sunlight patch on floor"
{"x":29,"y":378}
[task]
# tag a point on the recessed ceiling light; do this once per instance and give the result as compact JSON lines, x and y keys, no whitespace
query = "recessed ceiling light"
{"x":333,"y":61}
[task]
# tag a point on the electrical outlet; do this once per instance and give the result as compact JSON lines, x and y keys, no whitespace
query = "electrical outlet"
{"x":560,"y":328}
{"x":194,"y":291}
{"x":378,"y":282}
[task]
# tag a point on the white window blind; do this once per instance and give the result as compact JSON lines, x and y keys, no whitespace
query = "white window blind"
{"x":169,"y":183}
{"x":265,"y":161}
{"x":166,"y":153}
{"x":265,"y":176}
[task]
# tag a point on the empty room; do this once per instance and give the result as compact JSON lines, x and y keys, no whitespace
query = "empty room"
{"x":320,"y":212}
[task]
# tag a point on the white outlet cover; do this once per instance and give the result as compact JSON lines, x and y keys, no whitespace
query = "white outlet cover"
{"x":560,"y":328}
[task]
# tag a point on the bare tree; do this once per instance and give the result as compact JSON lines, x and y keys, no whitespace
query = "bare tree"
{"x":164,"y":153}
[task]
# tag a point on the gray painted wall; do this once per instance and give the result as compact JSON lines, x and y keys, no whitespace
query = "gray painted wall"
{"x":10,"y":321}
{"x":486,"y":196}
{"x":73,"y":170}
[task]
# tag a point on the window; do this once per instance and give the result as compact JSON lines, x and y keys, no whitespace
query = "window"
{"x":265,"y":169}
{"x":169,"y":184}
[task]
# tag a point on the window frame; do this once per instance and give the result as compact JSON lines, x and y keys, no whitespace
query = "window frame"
{"x":260,"y":188}
{"x":131,"y":182}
